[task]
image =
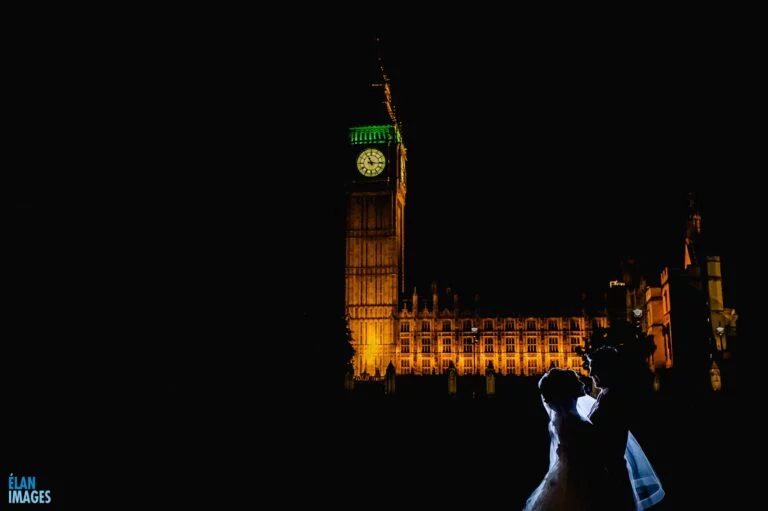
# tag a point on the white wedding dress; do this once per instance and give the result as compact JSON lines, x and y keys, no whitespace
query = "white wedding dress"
{"x":575,"y":475}
{"x":573,"y":481}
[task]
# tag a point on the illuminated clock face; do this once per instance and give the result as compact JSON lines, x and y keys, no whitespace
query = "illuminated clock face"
{"x":371,"y":162}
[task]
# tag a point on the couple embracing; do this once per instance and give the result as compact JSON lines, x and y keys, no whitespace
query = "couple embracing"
{"x":595,"y":462}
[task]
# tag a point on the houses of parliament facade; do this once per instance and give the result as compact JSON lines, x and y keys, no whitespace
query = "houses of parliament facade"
{"x":426,"y":337}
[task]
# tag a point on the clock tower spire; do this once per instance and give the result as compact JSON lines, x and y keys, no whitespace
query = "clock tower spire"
{"x":375,"y":222}
{"x":692,"y":233}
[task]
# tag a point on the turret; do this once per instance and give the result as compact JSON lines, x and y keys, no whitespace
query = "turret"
{"x":389,"y":379}
{"x":692,"y":234}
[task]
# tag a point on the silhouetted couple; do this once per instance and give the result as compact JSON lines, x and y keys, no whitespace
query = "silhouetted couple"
{"x":595,"y":462}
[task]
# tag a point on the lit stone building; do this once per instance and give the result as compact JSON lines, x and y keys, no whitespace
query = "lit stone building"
{"x":430,"y":338}
{"x":683,"y":310}
{"x":423,"y":339}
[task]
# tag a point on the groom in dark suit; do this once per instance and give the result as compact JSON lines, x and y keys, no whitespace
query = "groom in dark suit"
{"x":610,"y":417}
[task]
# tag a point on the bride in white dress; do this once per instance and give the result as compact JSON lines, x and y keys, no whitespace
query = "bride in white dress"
{"x":575,"y":479}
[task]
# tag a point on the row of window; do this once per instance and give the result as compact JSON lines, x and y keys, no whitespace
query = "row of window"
{"x":488,"y":345}
{"x":467,"y":366}
{"x":531,"y":324}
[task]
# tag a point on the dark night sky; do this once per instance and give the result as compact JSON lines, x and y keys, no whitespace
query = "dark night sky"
{"x":535,"y":166}
{"x":538,"y":158}
{"x":540,"y":153}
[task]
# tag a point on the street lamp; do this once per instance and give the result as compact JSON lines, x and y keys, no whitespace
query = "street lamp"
{"x":475,"y":346}
{"x":637,"y":315}
{"x":720,"y":333}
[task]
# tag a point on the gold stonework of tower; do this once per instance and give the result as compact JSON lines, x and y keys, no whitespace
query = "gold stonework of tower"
{"x":429,"y":340}
{"x":374,"y":238}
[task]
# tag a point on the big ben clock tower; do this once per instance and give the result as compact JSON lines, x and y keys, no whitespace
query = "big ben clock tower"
{"x":376,"y":188}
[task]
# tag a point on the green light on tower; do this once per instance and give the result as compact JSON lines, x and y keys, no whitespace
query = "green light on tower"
{"x":382,"y":134}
